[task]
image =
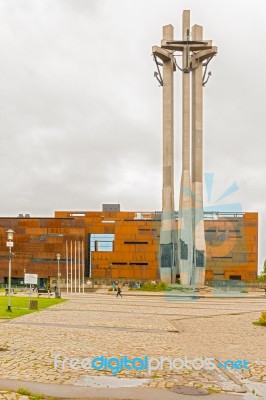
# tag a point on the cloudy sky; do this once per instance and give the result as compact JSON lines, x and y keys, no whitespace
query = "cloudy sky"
{"x":80,"y":110}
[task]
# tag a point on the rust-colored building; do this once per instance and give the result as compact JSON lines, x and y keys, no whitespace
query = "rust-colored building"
{"x":232,"y":246}
{"x":113,"y":244}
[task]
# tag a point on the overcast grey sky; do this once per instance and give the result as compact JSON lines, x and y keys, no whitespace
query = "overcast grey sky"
{"x":80,"y":110}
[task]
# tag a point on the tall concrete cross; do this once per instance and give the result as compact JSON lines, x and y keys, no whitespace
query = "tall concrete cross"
{"x":191,"y":245}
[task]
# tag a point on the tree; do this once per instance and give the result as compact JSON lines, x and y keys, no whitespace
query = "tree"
{"x":262,"y":276}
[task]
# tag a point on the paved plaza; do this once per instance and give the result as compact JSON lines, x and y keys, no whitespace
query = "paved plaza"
{"x":99,"y":324}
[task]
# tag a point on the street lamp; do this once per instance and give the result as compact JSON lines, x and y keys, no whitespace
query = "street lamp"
{"x":9,"y":244}
{"x":58,"y":291}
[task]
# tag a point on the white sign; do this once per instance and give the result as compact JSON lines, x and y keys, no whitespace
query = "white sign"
{"x":9,"y":244}
{"x":31,"y":279}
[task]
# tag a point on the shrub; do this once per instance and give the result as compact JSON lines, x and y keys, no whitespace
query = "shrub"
{"x":154,"y":287}
{"x":24,"y":392}
{"x":262,"y":320}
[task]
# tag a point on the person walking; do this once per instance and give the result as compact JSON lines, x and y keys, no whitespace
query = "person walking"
{"x":119,"y":291}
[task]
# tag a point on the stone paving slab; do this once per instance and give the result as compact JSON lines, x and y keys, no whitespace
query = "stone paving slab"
{"x":206,"y":328}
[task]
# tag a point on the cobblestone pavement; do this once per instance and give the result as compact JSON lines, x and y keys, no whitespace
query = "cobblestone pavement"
{"x":94,"y":325}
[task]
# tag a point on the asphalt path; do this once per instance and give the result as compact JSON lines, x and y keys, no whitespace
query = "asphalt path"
{"x":81,"y":392}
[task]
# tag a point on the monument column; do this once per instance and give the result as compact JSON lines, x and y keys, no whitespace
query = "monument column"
{"x":167,"y":256}
{"x":197,"y":168}
{"x":185,"y":237}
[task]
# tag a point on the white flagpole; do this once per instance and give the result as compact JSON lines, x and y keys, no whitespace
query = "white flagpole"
{"x":79,"y":262}
{"x":83,"y":266}
{"x":67,"y":266}
{"x":71,"y":269}
{"x":75,"y":283}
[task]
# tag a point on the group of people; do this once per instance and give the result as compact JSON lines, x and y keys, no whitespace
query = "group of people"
{"x":34,"y":288}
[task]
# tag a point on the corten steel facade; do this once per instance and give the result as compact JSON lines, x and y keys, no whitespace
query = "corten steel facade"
{"x":232,"y":246}
{"x":36,"y":243}
{"x":124,"y":245}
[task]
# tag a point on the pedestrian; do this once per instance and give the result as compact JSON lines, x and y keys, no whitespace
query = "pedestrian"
{"x":119,"y":292}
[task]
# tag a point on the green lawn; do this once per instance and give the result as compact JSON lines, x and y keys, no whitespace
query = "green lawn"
{"x":20,"y":305}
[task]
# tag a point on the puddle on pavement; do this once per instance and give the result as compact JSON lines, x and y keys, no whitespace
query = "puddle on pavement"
{"x":109,"y":381}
